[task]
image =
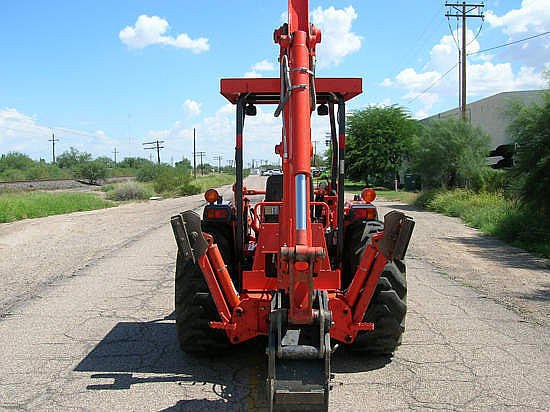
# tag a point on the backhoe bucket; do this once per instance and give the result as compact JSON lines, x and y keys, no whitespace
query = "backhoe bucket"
{"x":299,"y":360}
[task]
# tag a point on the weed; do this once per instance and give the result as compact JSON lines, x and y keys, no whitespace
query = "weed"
{"x":26,"y":205}
{"x":129,"y":191}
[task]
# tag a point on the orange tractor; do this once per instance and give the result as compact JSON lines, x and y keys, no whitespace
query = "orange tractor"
{"x":303,"y":267}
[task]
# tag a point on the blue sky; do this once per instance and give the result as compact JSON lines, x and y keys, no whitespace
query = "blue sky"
{"x":108,"y":74}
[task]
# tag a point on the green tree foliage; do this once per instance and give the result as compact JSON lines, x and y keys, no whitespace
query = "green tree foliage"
{"x":175,"y":179}
{"x":531,"y":130}
{"x":72,"y":157}
{"x":15,"y":160}
{"x":449,"y":153}
{"x":134,"y":162}
{"x":151,"y":171}
{"x":107,"y":161}
{"x":378,"y":140}
{"x":92,"y":170}
{"x":184,"y":165}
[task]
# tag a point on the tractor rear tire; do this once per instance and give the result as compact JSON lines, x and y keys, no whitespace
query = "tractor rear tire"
{"x":195,"y":309}
{"x":388,"y":306}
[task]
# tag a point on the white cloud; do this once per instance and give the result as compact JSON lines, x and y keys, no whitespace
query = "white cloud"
{"x":24,"y":133}
{"x":484,"y":77}
{"x":421,"y":114}
{"x":337,"y":39}
{"x":192,"y":107}
{"x":261,"y":66}
{"x":387,"y":82}
{"x":532,"y":17}
{"x":151,"y":30}
{"x":252,"y":74}
{"x":264,"y":66}
{"x":216,"y":135}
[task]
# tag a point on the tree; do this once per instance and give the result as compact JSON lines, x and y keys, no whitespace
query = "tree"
{"x":92,"y":170}
{"x":184,"y":165}
{"x":378,"y":140}
{"x":530,"y":128}
{"x":16,"y":161}
{"x":449,"y":153}
{"x":107,"y":161}
{"x":134,"y":162}
{"x":72,"y":157}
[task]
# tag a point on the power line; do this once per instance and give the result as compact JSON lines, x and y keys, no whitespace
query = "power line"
{"x":201,"y":154}
{"x":115,"y":153}
{"x":53,"y":140}
{"x":420,"y":41}
{"x":464,"y":11}
{"x":219,"y":159}
{"x":433,"y":84}
{"x":511,"y":43}
{"x":156,"y":147}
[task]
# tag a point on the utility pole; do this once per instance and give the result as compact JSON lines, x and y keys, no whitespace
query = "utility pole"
{"x":156,"y":147}
{"x":201,"y":154}
{"x":219,"y":159}
{"x":53,"y":140}
{"x":315,"y":152}
{"x":194,"y":154}
{"x":115,"y":152}
{"x":463,"y":10}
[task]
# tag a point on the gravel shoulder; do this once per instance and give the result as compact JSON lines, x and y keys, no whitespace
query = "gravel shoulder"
{"x":508,"y":275}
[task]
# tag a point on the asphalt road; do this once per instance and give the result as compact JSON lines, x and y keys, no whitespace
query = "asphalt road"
{"x":99,"y":333}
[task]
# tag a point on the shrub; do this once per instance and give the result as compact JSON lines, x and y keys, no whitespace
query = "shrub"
{"x":93,"y":171}
{"x":129,"y":191}
{"x":15,"y":160}
{"x":188,"y":189}
{"x":150,"y":171}
{"x":531,"y":130}
{"x":175,"y":180}
{"x":449,"y":153}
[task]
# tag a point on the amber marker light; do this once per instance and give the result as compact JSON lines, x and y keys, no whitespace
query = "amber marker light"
{"x":368,"y":195}
{"x":211,"y":195}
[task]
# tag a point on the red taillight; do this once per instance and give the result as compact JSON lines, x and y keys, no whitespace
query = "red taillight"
{"x":364,"y":212}
{"x":215,"y":213}
{"x":220,"y":213}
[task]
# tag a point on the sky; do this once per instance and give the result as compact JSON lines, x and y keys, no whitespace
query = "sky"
{"x":103,"y":75}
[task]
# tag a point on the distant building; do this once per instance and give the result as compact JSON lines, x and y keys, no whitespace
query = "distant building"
{"x":490,"y":113}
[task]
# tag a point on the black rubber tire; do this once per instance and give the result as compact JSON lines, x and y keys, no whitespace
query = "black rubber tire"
{"x":194,"y":310}
{"x":388,"y":306}
{"x":223,"y":237}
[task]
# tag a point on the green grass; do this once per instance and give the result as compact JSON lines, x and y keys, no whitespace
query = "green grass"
{"x":402,"y":196}
{"x":350,"y":186}
{"x":494,"y":214}
{"x":214,"y":180}
{"x":27,"y":205}
{"x":381,"y":192}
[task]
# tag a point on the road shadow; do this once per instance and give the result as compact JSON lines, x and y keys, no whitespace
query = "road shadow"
{"x":345,"y":361}
{"x":490,"y":248}
{"x":541,"y":295}
{"x":137,"y":353}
